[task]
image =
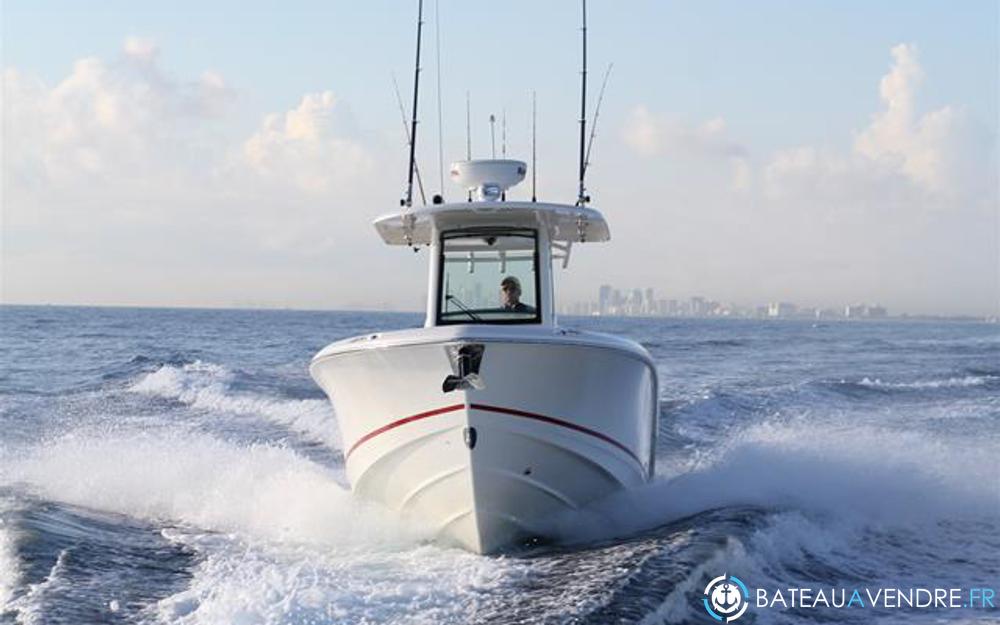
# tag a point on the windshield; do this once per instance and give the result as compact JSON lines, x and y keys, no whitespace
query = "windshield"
{"x":488,"y":276}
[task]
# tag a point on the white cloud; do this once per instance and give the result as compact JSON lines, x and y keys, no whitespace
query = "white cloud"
{"x":651,"y":134}
{"x":132,"y":185}
{"x":130,"y":124}
{"x":907,"y":214}
{"x":120,"y":178}
{"x":302,"y":145}
{"x":923,"y":147}
{"x":937,"y":152}
{"x":897,"y":137}
{"x":141,"y":49}
{"x":110,"y":120}
{"x":660,"y":134}
{"x":935,"y":159}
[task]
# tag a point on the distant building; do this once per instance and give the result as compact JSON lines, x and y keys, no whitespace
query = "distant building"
{"x":777,"y":310}
{"x":865,"y":311}
{"x":634,"y":306}
{"x":876,"y":312}
{"x":604,"y":299}
{"x":636,"y":302}
{"x":855,"y":311}
{"x":617,"y":302}
{"x":697,"y":307}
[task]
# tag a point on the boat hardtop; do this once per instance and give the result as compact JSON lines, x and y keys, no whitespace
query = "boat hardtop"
{"x":564,"y":223}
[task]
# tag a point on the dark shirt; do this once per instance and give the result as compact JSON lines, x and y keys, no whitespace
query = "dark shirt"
{"x":519,"y":307}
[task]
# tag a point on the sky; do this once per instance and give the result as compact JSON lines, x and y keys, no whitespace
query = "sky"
{"x":235,"y":153}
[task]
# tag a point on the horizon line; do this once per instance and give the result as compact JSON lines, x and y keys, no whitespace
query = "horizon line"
{"x":988,"y":318}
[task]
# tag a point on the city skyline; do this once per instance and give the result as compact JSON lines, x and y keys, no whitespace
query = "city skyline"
{"x":642,"y":302}
{"x":209,"y":155}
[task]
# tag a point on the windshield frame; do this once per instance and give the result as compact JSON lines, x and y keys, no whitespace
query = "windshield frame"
{"x":485,"y":231}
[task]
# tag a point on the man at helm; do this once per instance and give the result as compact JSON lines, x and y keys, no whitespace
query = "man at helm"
{"x":510,"y":296}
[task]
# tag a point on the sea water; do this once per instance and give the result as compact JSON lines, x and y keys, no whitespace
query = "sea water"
{"x":179,"y":466}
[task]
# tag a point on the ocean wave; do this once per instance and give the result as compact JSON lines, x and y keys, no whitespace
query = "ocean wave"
{"x":207,"y":386}
{"x":10,"y":574}
{"x":796,"y":550}
{"x":676,"y":606}
{"x":721,"y":343}
{"x":953,"y":382}
{"x":238,"y":583}
{"x":847,"y":472}
{"x":278,"y":538}
{"x":196,"y":480}
{"x":28,"y":606}
{"x":836,"y":502}
{"x":714,"y":406}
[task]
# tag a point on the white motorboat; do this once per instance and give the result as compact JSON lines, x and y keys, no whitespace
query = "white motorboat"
{"x":492,"y":418}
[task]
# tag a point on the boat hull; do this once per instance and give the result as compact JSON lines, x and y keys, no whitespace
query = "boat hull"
{"x":539,"y":429}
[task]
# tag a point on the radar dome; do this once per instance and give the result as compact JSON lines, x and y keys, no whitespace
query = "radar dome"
{"x":488,"y":178}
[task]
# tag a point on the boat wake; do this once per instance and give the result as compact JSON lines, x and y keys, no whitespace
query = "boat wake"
{"x":209,"y":387}
{"x":847,"y":472}
{"x":277,"y":538}
{"x":10,"y":574}
{"x":787,"y":504}
{"x":196,"y":480}
{"x":954,"y":382}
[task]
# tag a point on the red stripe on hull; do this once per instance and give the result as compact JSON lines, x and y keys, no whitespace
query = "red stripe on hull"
{"x":496,"y":409}
{"x":559,"y":422}
{"x":395,"y":424}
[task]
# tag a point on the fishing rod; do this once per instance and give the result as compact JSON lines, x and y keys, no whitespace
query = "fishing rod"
{"x":581,"y":197}
{"x":413,"y":122}
{"x":597,"y":113}
{"x":409,"y":141}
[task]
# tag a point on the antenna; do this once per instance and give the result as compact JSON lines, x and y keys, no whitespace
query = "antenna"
{"x":468,"y":132}
{"x":437,"y":38}
{"x":597,"y":113}
{"x":581,"y":197}
{"x":406,"y":133}
{"x":503,"y":149}
{"x":493,"y":135}
{"x":413,"y":123}
{"x":503,"y":134}
{"x":468,"y":127}
{"x":534,"y":116}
